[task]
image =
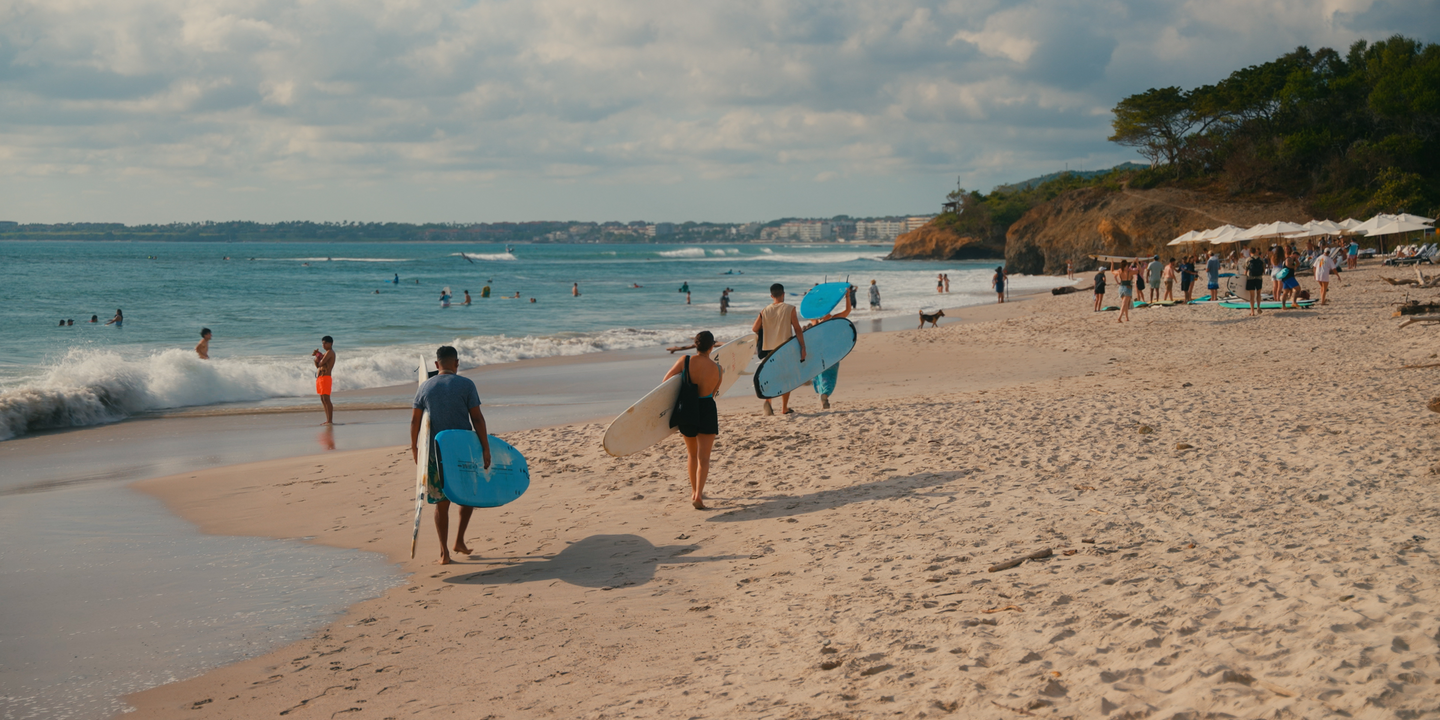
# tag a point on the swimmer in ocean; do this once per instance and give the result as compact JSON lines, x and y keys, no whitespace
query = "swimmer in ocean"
{"x":202,"y":348}
{"x":118,"y":320}
{"x":467,"y":298}
{"x":574,"y":290}
{"x":397,"y":279}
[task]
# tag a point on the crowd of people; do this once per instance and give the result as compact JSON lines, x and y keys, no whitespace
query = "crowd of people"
{"x":1281,"y":263}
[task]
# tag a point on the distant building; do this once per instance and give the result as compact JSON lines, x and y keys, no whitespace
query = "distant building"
{"x":917,"y":221}
{"x":8,"y":225}
{"x":806,"y":230}
{"x":885,"y":229}
{"x":660,"y":229}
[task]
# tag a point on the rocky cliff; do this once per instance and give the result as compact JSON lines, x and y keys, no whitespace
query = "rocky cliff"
{"x":933,"y":243}
{"x":1125,"y":222}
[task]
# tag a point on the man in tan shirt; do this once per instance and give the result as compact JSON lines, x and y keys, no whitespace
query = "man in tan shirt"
{"x":778,"y":322}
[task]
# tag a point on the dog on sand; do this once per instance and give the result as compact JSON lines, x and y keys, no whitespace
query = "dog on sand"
{"x":933,"y":319}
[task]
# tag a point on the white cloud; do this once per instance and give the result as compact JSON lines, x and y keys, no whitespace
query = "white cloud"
{"x":410,"y":109}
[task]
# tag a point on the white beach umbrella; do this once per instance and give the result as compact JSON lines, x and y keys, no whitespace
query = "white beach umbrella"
{"x":1194,"y":236}
{"x":1396,"y":227}
{"x":1270,"y":230}
{"x":1348,"y":225}
{"x":1407,"y":217}
{"x":1316,"y":228}
{"x":1374,"y":223}
{"x":1230,"y":235}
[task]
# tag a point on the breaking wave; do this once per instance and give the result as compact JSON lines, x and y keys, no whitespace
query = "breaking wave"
{"x":91,"y":386}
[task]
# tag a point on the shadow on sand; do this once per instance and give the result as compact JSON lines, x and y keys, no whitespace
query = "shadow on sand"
{"x":598,"y":561}
{"x":774,"y":506}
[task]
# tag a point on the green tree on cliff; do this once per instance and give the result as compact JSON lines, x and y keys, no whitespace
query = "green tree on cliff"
{"x":1356,"y":133}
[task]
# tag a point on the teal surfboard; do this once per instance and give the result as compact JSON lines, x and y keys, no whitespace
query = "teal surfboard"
{"x":822,"y":299}
{"x":467,"y":482}
{"x":1267,"y":305}
{"x":826,"y":345}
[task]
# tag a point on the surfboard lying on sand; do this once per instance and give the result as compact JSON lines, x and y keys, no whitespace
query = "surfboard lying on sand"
{"x":826,"y":344}
{"x":468,"y":482}
{"x":823,"y":298}
{"x":648,"y":421}
{"x":1266,"y":305}
{"x":422,"y":461}
{"x":1121,"y":258}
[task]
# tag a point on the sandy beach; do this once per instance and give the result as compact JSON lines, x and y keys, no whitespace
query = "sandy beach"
{"x":1238,"y":512}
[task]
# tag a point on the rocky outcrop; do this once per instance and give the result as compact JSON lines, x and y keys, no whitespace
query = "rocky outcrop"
{"x":1126,"y":222}
{"x":933,"y":243}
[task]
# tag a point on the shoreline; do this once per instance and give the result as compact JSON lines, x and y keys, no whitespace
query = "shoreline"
{"x":853,"y":581}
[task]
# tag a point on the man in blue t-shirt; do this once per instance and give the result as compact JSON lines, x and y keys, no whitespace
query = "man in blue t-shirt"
{"x":453,"y":404}
{"x":1212,"y":276}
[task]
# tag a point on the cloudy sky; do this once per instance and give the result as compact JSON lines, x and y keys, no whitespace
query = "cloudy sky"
{"x":486,"y":110}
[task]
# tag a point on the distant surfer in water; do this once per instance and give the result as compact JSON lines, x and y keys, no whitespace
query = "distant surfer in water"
{"x":825,"y":382}
{"x":575,"y":289}
{"x":453,"y":404}
{"x":118,"y":320}
{"x":700,"y":422}
{"x":778,"y":322}
{"x":397,"y":279}
{"x":202,"y":348}
{"x":324,"y":366}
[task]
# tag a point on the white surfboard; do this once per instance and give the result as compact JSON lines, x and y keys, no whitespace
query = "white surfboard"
{"x":648,"y":421}
{"x":422,"y":462}
{"x":732,"y":358}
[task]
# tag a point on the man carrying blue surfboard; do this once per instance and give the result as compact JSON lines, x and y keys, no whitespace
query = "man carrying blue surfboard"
{"x":454,"y":404}
{"x":778,"y":322}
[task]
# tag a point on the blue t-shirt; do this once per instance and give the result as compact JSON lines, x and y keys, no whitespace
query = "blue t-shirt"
{"x":1354,"y":249}
{"x":1212,"y":266}
{"x":448,"y":399}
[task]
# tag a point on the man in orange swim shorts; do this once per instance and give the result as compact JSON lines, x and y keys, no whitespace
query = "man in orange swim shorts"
{"x":325,"y":365}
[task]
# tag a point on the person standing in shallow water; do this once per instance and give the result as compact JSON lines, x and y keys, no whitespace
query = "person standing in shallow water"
{"x":324,"y":380}
{"x":701,"y":423}
{"x":999,"y":282}
{"x":202,"y":348}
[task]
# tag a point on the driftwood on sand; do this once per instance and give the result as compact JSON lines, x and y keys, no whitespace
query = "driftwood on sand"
{"x":1037,"y":555}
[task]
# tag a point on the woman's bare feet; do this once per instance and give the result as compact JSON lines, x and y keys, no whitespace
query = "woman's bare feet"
{"x":699,"y":504}
{"x":462,"y":548}
{"x":444,"y":557}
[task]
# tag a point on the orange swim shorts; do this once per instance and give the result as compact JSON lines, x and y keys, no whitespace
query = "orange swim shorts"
{"x":322,"y":385}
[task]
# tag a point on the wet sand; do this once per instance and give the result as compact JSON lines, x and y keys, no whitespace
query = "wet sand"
{"x":1238,"y":513}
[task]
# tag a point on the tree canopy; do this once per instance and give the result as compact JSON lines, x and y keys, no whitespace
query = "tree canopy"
{"x":1355,"y":133}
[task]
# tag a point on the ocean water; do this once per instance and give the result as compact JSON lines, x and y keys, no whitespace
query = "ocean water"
{"x":268,"y":304}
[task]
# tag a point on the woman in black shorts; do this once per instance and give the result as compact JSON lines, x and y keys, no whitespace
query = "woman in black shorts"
{"x":702,"y":424}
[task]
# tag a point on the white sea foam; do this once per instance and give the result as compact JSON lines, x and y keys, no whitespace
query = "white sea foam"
{"x":722,"y":252}
{"x":683,"y":253}
{"x":92,"y":386}
{"x":347,"y":259}
{"x":825,"y":258}
{"x":485,"y":256}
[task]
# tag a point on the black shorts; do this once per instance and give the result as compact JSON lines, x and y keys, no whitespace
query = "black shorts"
{"x":704,"y":421}
{"x":1254,"y":283}
{"x":762,"y":354}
